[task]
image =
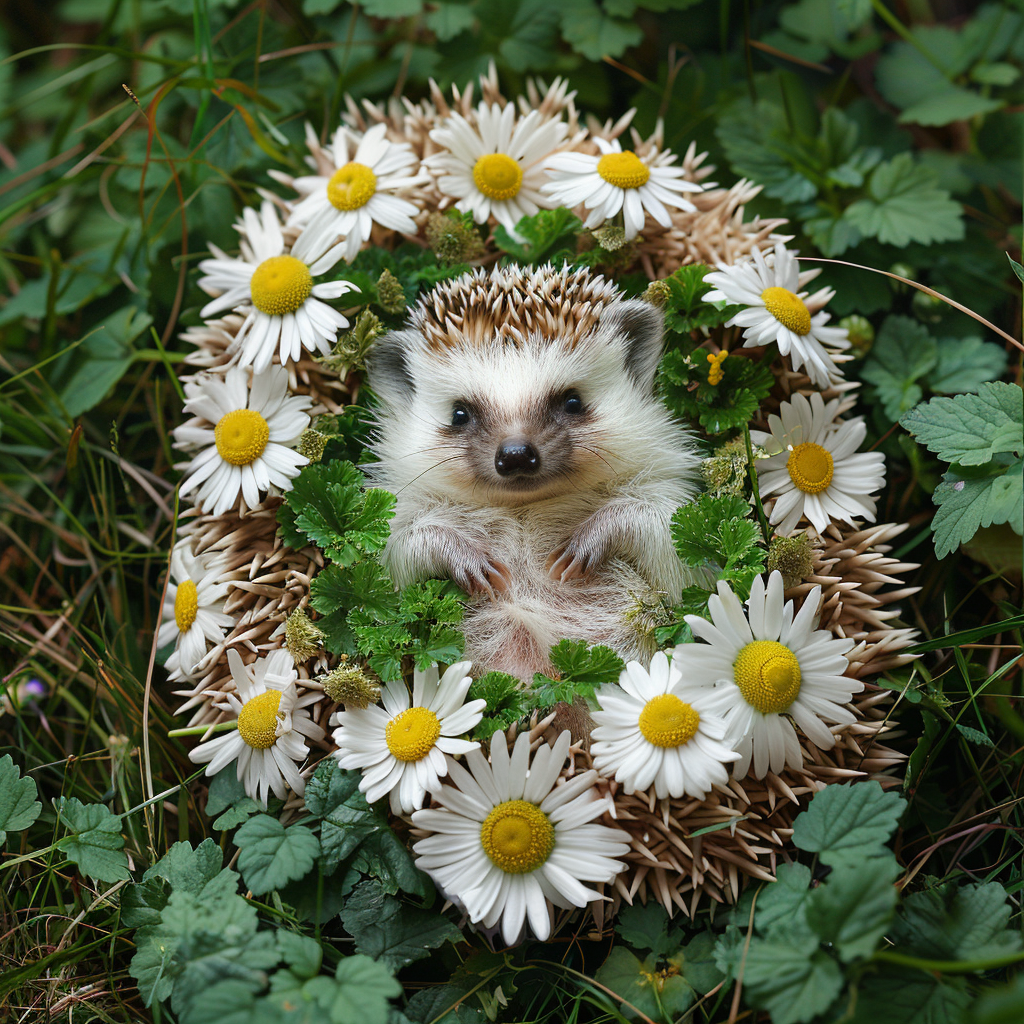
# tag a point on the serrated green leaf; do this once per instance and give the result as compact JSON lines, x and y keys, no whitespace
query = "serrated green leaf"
{"x":447,"y":20}
{"x":644,"y":988}
{"x":685,"y":308}
{"x":783,"y":903}
{"x":235,"y":1002}
{"x":965,"y":364}
{"x":302,"y":953}
{"x":390,"y":932}
{"x":786,"y":974}
{"x":507,"y":702}
{"x":352,"y":829}
{"x":547,"y":236}
{"x":199,"y":872}
{"x":363,"y":991}
{"x":966,"y":505}
{"x":971,"y":429}
{"x":18,"y":804}
{"x":855,"y":906}
{"x":588,"y":30}
{"x":1001,"y":1005}
{"x":950,"y":922}
{"x":443,"y":1004}
{"x":646,"y":926}
{"x":903,"y":352}
{"x":576,"y":661}
{"x":951,"y":104}
{"x":95,"y":843}
{"x":910,"y":997}
{"x":851,"y":821}
{"x":906,"y":205}
{"x":271,"y":855}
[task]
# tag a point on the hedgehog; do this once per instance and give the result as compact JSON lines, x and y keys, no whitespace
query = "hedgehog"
{"x":532,"y":462}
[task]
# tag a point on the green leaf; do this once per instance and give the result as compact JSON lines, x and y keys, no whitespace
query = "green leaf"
{"x":784,"y":902}
{"x":18,"y":804}
{"x":1017,"y":268}
{"x":447,"y":20}
{"x":352,"y":829}
{"x":855,"y":906}
{"x":646,"y":926}
{"x":581,"y":669}
{"x":588,"y":30}
{"x":391,"y":932}
{"x":903,"y":352}
{"x":905,"y":205}
{"x":966,"y":505}
{"x":1002,"y":1005}
{"x":234,"y":1002}
{"x":95,"y":842}
{"x":199,"y":872}
{"x":547,"y":236}
{"x":965,"y":364}
{"x":363,"y":991}
{"x":851,"y":821}
{"x":910,"y":997}
{"x":971,"y":429}
{"x":338,"y":593}
{"x":424,"y":625}
{"x":786,"y":974}
{"x":328,"y":507}
{"x":227,"y":801}
{"x":302,"y":953}
{"x":717,"y":533}
{"x":271,"y":855}
{"x":950,"y":922}
{"x":392,"y":9}
{"x":443,"y":1004}
{"x":685,"y":308}
{"x":658,"y":993}
{"x":507,"y":702}
{"x":926,"y":95}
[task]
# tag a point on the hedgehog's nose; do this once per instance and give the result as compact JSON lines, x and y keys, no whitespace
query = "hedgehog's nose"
{"x":516,"y":456}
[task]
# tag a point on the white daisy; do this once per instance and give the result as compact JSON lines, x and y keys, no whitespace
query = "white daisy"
{"x":768,"y":667}
{"x":273,"y":727}
{"x":777,"y":311}
{"x":401,"y":748}
{"x":815,"y":468}
{"x":275,"y":289}
{"x":654,"y":729}
{"x":619,"y":180}
{"x":363,"y":191}
{"x":193,"y":609}
{"x":509,"y":841}
{"x":494,"y":168}
{"x":245,"y":436}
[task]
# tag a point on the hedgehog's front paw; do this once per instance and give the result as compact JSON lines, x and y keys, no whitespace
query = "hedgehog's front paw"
{"x":580,"y":555}
{"x":477,"y":573}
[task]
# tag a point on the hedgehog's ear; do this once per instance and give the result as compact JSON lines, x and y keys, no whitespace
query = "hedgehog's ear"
{"x":387,"y":368}
{"x":641,"y":327}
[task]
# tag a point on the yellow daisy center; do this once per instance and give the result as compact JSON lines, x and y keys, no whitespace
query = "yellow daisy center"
{"x":351,"y":186}
{"x":411,"y":734}
{"x":280,"y":285}
{"x":623,"y":170}
{"x":241,"y":436}
{"x":810,"y":467}
{"x":788,"y":309}
{"x":186,"y":605}
{"x":768,"y":676}
{"x":257,"y":721}
{"x":517,"y":836}
{"x":498,"y":176}
{"x":667,"y":721}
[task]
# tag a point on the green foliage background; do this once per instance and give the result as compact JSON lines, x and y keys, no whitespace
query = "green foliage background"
{"x":131,"y":135}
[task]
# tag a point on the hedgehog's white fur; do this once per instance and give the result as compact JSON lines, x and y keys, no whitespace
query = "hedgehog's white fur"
{"x":618,"y":473}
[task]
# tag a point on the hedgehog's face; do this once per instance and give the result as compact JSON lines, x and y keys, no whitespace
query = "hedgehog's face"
{"x":498,"y":424}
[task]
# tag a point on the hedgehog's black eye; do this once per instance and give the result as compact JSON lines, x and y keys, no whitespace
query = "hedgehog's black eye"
{"x":460,"y":414}
{"x":572,"y":403}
